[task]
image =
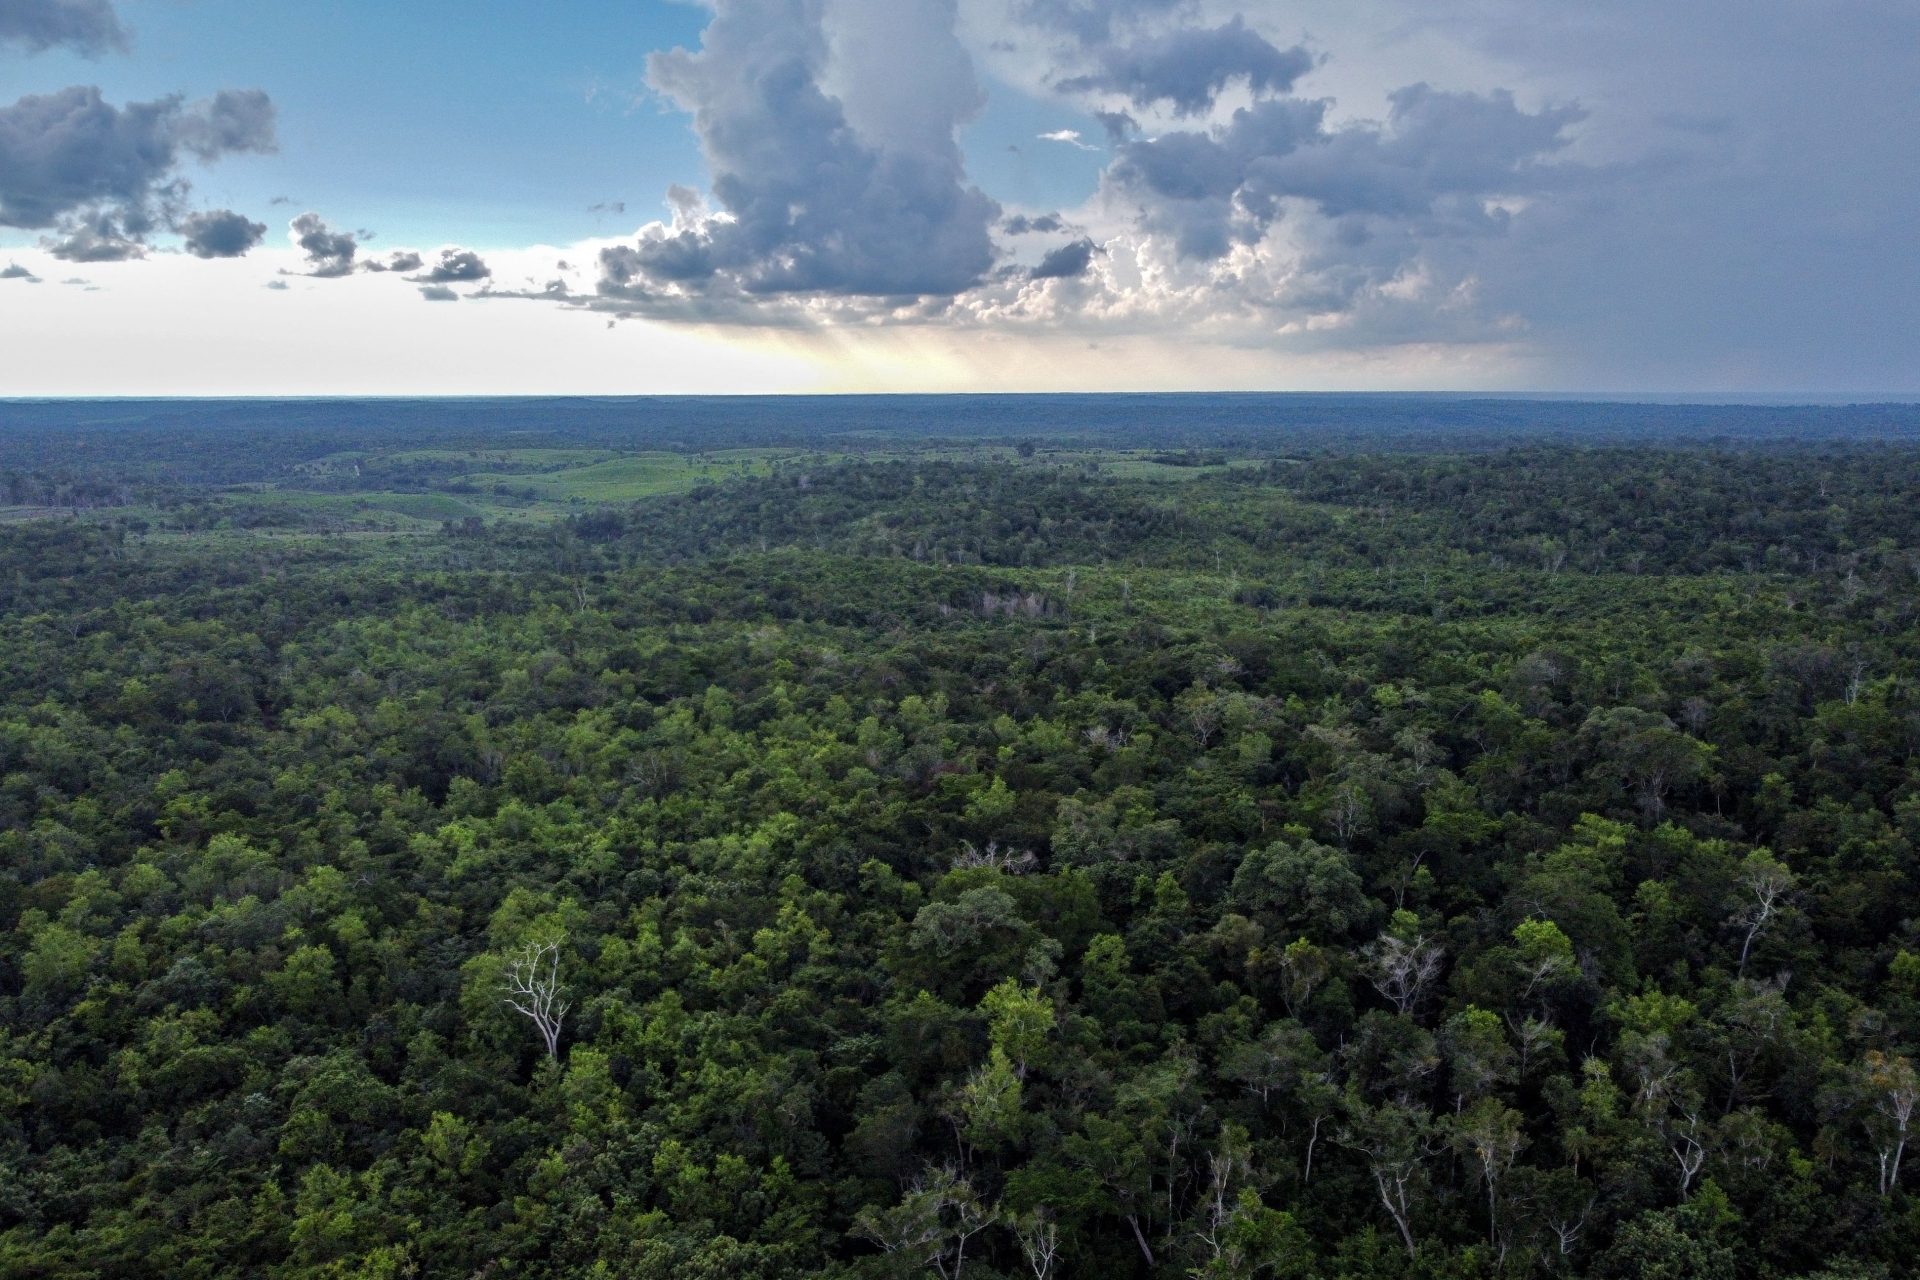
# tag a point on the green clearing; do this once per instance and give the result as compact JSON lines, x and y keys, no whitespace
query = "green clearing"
{"x":632,"y":477}
{"x":509,"y":457}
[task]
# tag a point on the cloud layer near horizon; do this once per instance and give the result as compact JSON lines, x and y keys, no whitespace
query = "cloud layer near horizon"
{"x":1606,"y":192}
{"x":1230,"y":199}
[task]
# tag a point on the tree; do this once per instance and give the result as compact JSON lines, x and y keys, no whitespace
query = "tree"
{"x":1491,"y":1135}
{"x":1891,"y":1089}
{"x":1303,"y":967}
{"x":1479,"y":1056}
{"x":1396,"y":1139}
{"x":1306,"y":887}
{"x":1402,"y":962}
{"x":1037,"y":1232}
{"x":1645,"y":752}
{"x":1019,"y":1020}
{"x":1544,"y":956}
{"x":931,"y":1225}
{"x":532,"y":987}
{"x":1761,"y":893}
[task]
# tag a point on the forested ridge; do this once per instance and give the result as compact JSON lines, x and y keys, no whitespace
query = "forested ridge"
{"x":1339,"y":864}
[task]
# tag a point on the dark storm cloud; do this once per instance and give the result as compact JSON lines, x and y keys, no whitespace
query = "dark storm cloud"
{"x":620,"y":266}
{"x":105,"y":178}
{"x":88,"y":27}
{"x":220,"y":233}
{"x":438,"y":293}
{"x":1066,"y":262}
{"x":70,"y":150}
{"x":330,"y":253}
{"x":1093,"y":21}
{"x":1020,"y":224}
{"x":1189,"y":66}
{"x":100,"y":236}
{"x":399,"y":260}
{"x":1438,"y":156}
{"x":856,"y":193}
{"x":456,"y":266}
{"x":14,"y":271}
{"x":1119,"y":125}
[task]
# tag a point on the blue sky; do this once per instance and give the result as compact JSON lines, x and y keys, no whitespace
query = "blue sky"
{"x":503,"y":121}
{"x":958,"y":194}
{"x":524,"y":116}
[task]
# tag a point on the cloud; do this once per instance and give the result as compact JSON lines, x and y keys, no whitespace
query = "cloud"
{"x":278,"y":286}
{"x":829,"y":132}
{"x":456,"y":266}
{"x":105,"y":178}
{"x":1435,"y":166}
{"x":1067,"y":262}
{"x":1020,"y":224}
{"x":88,"y":27}
{"x":233,"y":121}
{"x":14,"y":271}
{"x":1093,"y":21}
{"x":67,"y":150}
{"x":608,"y":206}
{"x":399,"y":260}
{"x":1275,"y":229}
{"x":438,"y":293}
{"x":220,"y":233}
{"x":330,"y":253}
{"x":1069,"y":136}
{"x":1188,"y":67}
{"x":101,"y":236}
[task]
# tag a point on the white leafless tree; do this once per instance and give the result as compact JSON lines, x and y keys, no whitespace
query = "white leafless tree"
{"x":1764,"y":888}
{"x":1688,"y":1145}
{"x":1567,"y":1225}
{"x":1401,"y":968}
{"x":1039,"y":1237}
{"x":1013,"y":862}
{"x":532,"y":987}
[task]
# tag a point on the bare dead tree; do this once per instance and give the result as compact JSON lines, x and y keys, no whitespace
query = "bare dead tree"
{"x":1568,"y":1224}
{"x":1039,"y":1238}
{"x":1689,"y":1148}
{"x":1226,"y":1168}
{"x":532,"y":987}
{"x":1765,"y":886}
{"x":1013,"y":862}
{"x":1401,"y":968}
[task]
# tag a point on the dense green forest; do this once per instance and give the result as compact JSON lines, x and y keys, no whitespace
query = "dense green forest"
{"x":1040,"y":857}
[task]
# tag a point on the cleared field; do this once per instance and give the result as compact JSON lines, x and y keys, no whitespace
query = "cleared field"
{"x":628,"y":478}
{"x":506,"y":457}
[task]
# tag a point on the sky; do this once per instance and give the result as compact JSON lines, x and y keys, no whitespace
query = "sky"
{"x":208,"y":197}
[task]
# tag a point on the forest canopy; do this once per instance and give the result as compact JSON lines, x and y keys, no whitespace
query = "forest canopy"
{"x":1048,"y":856}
